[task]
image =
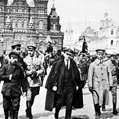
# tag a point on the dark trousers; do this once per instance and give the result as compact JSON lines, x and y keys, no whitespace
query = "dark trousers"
{"x":65,"y":98}
{"x":11,"y":104}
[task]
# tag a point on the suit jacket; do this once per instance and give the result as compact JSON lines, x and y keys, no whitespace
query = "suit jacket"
{"x":12,"y":87}
{"x":56,"y":78}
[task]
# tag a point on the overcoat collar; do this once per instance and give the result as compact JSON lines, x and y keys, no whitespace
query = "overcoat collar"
{"x":98,"y":62}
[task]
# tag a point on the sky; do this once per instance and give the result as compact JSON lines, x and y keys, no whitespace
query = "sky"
{"x":83,"y":13}
{"x":88,"y":12}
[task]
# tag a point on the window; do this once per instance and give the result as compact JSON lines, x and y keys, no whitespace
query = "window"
{"x":112,"y":32}
{"x":20,"y":10}
{"x":112,"y":42}
{"x":8,"y":10}
{"x":13,"y":24}
{"x":40,"y":25}
{"x":54,"y":26}
{"x":23,"y":10}
{"x":25,"y":24}
{"x":14,"y":10}
{"x":19,"y":24}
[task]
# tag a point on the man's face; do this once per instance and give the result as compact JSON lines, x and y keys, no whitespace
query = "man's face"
{"x":67,"y":55}
{"x":31,"y":52}
{"x":17,"y":50}
{"x":100,"y":55}
{"x":13,"y":59}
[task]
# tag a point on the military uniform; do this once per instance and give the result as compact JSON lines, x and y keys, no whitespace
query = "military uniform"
{"x":11,"y":89}
{"x":113,"y":66}
{"x":35,"y":67}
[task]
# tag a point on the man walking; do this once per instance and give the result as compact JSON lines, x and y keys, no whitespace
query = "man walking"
{"x":114,"y":67}
{"x":63,"y":86}
{"x":99,"y":81}
{"x":13,"y":78}
{"x":33,"y":73}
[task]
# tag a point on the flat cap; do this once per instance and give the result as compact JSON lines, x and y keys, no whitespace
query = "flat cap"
{"x":15,"y":45}
{"x":31,"y":45}
{"x":13,"y":54}
{"x":69,"y":50}
{"x":100,"y":49}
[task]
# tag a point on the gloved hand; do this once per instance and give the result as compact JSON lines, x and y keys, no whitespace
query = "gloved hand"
{"x":91,"y":89}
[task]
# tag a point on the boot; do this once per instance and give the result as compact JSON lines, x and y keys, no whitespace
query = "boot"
{"x":68,"y":114}
{"x":56,"y":113}
{"x":6,"y":114}
{"x":15,"y":114}
{"x":28,"y":110}
{"x":11,"y":113}
{"x":97,"y":111}
{"x":114,"y":105}
{"x":103,"y":108}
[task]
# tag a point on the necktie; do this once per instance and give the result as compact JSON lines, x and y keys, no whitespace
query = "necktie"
{"x":67,"y":64}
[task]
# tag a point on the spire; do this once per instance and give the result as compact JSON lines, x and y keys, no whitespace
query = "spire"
{"x":53,"y":11}
{"x":53,"y":5}
{"x":69,"y":27}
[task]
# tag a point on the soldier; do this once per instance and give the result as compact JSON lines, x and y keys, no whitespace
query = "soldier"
{"x":63,"y":86}
{"x":99,"y":81}
{"x":34,"y":72}
{"x":13,"y":78}
{"x":114,"y":67}
{"x":83,"y":67}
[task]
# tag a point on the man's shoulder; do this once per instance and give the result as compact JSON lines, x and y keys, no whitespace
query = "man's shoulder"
{"x":26,"y":58}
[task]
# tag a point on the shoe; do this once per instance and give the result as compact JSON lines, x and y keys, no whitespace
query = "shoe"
{"x":115,"y":112}
{"x":103,"y":109}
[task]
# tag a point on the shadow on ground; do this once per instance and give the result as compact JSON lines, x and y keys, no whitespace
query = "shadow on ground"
{"x":78,"y":117}
{"x":105,"y":115}
{"x":109,"y":114}
{"x":35,"y":116}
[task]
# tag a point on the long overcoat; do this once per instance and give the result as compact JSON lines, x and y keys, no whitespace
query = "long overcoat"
{"x":100,"y":79}
{"x":56,"y":77}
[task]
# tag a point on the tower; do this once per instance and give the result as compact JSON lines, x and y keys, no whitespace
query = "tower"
{"x":53,"y":20}
{"x":54,"y":28}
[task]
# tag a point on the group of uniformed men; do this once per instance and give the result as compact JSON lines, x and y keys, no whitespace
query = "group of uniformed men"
{"x":64,"y":83}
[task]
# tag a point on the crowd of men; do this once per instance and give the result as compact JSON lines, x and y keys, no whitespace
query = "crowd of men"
{"x":23,"y":74}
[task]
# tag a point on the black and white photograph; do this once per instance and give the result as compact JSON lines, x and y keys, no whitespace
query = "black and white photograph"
{"x":59,"y":59}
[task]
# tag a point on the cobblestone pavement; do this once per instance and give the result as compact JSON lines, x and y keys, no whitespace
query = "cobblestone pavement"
{"x":87,"y":112}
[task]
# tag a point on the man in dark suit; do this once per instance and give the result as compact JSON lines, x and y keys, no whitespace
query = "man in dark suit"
{"x":13,"y":78}
{"x":64,"y":86}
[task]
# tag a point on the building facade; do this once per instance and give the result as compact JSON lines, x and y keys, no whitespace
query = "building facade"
{"x":69,"y":37}
{"x":107,"y":37}
{"x":23,"y":23}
